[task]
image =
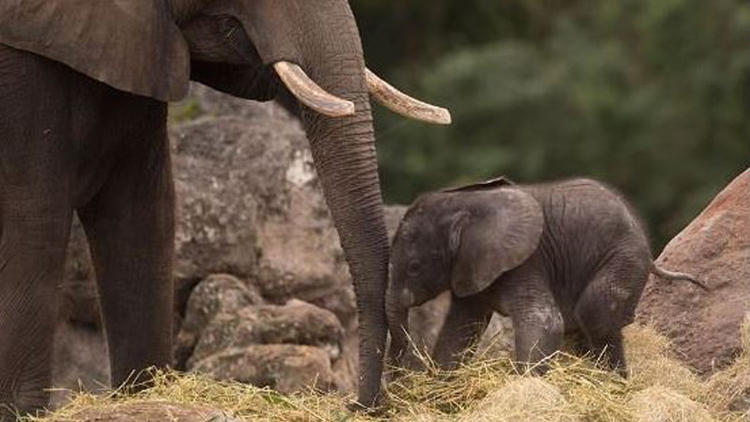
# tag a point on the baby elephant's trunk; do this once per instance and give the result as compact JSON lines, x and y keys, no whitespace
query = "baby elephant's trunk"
{"x":672,"y":275}
{"x":398,"y":324}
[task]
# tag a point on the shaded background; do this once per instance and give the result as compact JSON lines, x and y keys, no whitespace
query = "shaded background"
{"x":652,"y":97}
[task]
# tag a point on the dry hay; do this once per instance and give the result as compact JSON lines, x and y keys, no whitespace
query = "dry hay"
{"x":522,"y":399}
{"x":661,"y":404}
{"x":573,"y":389}
{"x":651,"y":363}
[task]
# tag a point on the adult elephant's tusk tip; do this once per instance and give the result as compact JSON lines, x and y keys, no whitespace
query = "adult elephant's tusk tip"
{"x":346,"y":108}
{"x":311,"y":94}
{"x":442,"y":116}
{"x":400,"y":103}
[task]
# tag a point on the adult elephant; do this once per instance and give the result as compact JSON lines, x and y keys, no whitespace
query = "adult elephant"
{"x":83,"y":92}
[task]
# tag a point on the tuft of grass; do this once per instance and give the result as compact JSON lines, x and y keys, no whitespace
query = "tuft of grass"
{"x":484,"y":389}
{"x":184,"y":111}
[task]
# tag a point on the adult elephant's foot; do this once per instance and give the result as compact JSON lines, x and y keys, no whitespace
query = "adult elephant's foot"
{"x":372,"y":410}
{"x":27,"y":321}
{"x":27,"y":394}
{"x":25,"y":360}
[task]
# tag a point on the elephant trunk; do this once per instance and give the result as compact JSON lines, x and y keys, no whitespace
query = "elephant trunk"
{"x":397,"y":312}
{"x":343,"y":150}
{"x":344,"y":155}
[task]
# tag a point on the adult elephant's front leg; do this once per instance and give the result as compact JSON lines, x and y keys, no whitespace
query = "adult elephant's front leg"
{"x":32,"y":253}
{"x":130,"y":227}
{"x":35,"y":216}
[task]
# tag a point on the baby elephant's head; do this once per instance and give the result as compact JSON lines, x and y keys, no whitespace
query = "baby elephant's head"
{"x":459,"y":240}
{"x":420,"y":256}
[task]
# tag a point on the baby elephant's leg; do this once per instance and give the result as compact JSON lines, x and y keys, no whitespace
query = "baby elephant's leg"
{"x":466,"y":321}
{"x":538,"y":325}
{"x":607,"y":304}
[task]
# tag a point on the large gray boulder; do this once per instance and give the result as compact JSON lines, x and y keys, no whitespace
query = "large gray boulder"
{"x":250,"y":205}
{"x":705,"y":326}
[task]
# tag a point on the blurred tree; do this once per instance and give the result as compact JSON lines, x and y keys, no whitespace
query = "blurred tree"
{"x":652,"y":97}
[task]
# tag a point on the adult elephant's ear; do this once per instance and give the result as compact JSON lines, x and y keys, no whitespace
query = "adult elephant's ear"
{"x":131,"y":45}
{"x":491,"y":232}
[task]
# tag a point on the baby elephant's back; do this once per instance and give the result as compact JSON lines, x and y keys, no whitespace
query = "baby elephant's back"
{"x":585,"y":222}
{"x":578,"y":206}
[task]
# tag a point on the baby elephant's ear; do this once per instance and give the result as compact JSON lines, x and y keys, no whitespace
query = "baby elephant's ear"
{"x":488,"y":184}
{"x":494,"y":231}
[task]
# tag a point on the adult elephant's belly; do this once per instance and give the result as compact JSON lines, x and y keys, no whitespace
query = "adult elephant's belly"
{"x":108,"y":126}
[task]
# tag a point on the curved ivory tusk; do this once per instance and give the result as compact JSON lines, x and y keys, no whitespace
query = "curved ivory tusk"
{"x":311,"y":94}
{"x":403,"y":104}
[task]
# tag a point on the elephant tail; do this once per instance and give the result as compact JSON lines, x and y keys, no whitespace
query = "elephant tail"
{"x":673,"y":275}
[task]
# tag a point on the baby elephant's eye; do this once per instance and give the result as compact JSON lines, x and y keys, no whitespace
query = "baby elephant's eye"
{"x":412,"y":269}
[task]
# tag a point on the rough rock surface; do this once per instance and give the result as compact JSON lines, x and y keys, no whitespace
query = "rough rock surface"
{"x":78,"y":297}
{"x":284,"y":367}
{"x":498,"y":339}
{"x":217,"y":294}
{"x":705,"y":326}
{"x":296,"y":322}
{"x":249,"y":203}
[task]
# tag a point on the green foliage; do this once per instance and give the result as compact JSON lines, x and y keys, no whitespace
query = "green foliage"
{"x":184,"y":111}
{"x":652,"y":97}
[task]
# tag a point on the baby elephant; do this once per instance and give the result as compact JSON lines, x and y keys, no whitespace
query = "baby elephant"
{"x":564,"y":257}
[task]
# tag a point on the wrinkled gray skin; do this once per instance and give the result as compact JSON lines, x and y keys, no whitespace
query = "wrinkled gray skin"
{"x":69,"y":143}
{"x":558,"y":258}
